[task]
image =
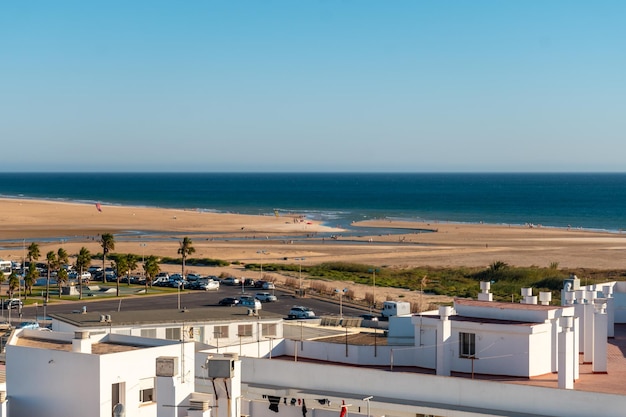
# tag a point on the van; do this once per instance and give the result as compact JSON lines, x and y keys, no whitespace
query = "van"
{"x":395,"y":308}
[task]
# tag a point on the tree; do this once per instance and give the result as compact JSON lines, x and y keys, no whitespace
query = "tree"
{"x":83,"y":259}
{"x":14,"y":283}
{"x":62,"y":278}
{"x":120,"y":269}
{"x":151,"y":268}
{"x":30,"y":278}
{"x":131,"y":264}
{"x":107,"y":241}
{"x":186,"y":248}
{"x":62,"y":257}
{"x":51,"y":257}
{"x":33,"y":252}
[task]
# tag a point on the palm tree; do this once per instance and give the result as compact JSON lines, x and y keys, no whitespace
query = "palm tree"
{"x":62,"y":257}
{"x":62,"y":278}
{"x":14,"y":282}
{"x":120,"y":268}
{"x":51,"y":257}
{"x":151,"y":268}
{"x":33,"y":252}
{"x":107,"y":241}
{"x":30,"y":278}
{"x":83,"y":259}
{"x":131,"y":264}
{"x":185,"y":249}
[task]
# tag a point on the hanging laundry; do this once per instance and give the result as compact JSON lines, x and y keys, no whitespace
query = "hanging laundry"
{"x":274,"y":401}
{"x":344,"y":409}
{"x":293,"y":401}
{"x":304,"y":410}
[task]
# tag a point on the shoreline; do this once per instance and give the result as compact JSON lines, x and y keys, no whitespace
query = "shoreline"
{"x":244,"y":238}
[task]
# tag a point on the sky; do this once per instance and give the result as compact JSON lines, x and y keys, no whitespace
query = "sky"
{"x":313,"y":86}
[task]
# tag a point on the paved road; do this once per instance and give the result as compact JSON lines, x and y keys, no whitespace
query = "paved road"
{"x":188,"y":299}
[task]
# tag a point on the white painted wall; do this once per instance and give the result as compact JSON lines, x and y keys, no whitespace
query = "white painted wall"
{"x":48,"y":382}
{"x":56,"y":383}
{"x":401,"y":331}
{"x":201,"y":332}
{"x":501,"y":398}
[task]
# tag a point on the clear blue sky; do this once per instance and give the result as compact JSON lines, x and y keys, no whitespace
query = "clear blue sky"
{"x":406,"y":86}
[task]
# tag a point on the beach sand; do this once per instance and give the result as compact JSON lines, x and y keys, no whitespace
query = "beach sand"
{"x":270,"y":239}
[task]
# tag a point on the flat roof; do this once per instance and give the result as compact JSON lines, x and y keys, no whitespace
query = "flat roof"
{"x":505,"y":306}
{"x":98,"y":348}
{"x":142,"y":317}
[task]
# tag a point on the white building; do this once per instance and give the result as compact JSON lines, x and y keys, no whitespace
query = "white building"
{"x":63,"y":374}
{"x":210,"y":326}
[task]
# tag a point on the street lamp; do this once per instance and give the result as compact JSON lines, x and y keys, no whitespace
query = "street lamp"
{"x":300,"y":273}
{"x":180,"y":284}
{"x":143,"y":247}
{"x":261,"y":252}
{"x":341,"y":293}
{"x":373,"y":271}
{"x":367,"y":399}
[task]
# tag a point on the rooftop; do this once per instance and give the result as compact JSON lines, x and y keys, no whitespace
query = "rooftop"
{"x":100,"y":348}
{"x":141,"y":317}
{"x":504,"y":306}
{"x":611,"y":383}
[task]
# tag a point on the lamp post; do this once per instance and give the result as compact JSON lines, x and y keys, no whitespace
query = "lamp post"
{"x":300,"y":274}
{"x":143,"y":248}
{"x":341,"y":293}
{"x":261,"y":252}
{"x":367,"y":399}
{"x":180,"y":284}
{"x":373,"y":271}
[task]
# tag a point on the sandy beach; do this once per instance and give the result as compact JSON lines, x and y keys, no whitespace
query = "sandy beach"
{"x":271,"y":239}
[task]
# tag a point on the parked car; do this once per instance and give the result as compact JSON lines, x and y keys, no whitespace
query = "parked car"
{"x":248,"y":282}
{"x":228,"y":301}
{"x":206,"y":285}
{"x":300,"y":312}
{"x":268,"y":286}
{"x":265,"y":297}
{"x":193,"y":277}
{"x":230,"y":281}
{"x":94,"y":268}
{"x":28,"y":325}
{"x":12,"y":303}
{"x":249,"y":301}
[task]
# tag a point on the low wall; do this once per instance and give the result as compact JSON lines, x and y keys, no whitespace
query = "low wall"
{"x":448,"y":393}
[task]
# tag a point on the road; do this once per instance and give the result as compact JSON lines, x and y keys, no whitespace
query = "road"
{"x":188,"y":299}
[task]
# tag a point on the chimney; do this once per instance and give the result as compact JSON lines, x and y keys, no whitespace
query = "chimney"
{"x":81,"y":342}
{"x":484,"y":294}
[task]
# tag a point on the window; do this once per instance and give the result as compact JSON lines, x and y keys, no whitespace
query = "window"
{"x":467,"y":345}
{"x":146,"y":390}
{"x":172,"y":333}
{"x":269,"y":329}
{"x":148,"y":333}
{"x":244,"y":330}
{"x":220,"y":332}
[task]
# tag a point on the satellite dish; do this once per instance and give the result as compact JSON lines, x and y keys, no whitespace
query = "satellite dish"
{"x":118,"y":410}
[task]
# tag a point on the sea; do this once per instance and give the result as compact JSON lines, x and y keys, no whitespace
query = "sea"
{"x":593,"y":201}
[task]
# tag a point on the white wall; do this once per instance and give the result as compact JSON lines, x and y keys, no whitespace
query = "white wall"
{"x":416,"y":389}
{"x":47,"y":382}
{"x":55,"y":383}
{"x":202,"y":332}
{"x":401,"y":331}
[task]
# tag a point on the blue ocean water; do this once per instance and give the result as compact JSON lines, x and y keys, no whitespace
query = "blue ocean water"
{"x":589,"y":201}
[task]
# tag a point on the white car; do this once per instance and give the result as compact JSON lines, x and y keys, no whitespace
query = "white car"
{"x":300,"y":312}
{"x":268,"y":286}
{"x":209,"y":285}
{"x":249,"y":301}
{"x":265,"y":297}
